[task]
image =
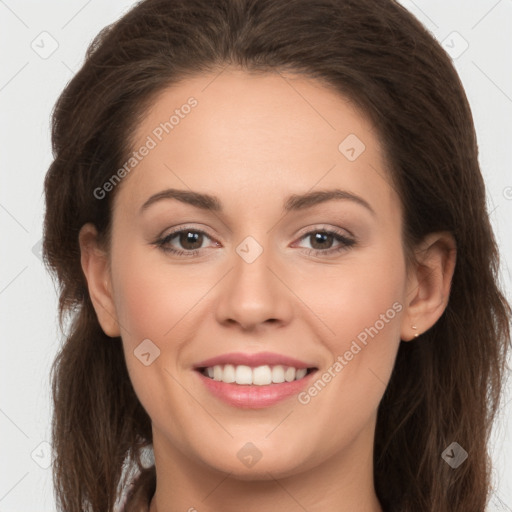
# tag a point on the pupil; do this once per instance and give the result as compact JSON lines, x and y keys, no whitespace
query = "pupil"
{"x":186,"y":238}
{"x":321,"y":237}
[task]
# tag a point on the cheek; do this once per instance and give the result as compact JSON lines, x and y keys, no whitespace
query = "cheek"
{"x":159,"y":302}
{"x":153,"y":298}
{"x":153,"y":307}
{"x":361,"y":309}
{"x":363,"y":293}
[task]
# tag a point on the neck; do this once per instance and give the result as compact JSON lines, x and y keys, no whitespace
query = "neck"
{"x":342,"y":482}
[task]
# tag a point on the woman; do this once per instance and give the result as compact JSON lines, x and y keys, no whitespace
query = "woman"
{"x":359,"y":372}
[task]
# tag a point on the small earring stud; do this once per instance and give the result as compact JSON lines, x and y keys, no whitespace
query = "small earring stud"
{"x":416,"y":334}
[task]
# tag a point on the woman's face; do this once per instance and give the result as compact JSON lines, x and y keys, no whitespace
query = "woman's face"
{"x":296,"y":252}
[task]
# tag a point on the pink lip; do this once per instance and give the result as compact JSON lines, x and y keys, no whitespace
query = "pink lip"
{"x":252,"y":396}
{"x":254,"y":360}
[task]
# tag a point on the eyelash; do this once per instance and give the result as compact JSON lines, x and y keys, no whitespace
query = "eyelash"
{"x":346,"y":243}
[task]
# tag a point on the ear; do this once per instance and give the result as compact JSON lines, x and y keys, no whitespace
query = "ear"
{"x":96,"y":268}
{"x":428,"y":284}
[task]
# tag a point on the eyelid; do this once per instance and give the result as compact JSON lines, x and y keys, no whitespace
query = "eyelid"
{"x":326,"y":228}
{"x":185,"y":227}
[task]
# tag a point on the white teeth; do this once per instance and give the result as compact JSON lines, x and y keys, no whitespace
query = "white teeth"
{"x":217,"y":372}
{"x":243,"y":374}
{"x":289,"y":374}
{"x":278,"y":374}
{"x":259,"y":376}
{"x":228,"y":375}
{"x":262,"y":375}
{"x":301,"y":373}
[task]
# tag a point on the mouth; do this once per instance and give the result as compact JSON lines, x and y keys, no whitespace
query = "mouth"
{"x":265,"y":366}
{"x":246,"y":387}
{"x":254,"y":381}
{"x":263,"y":375}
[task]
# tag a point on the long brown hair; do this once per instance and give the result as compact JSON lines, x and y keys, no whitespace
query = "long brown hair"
{"x":445,"y":386}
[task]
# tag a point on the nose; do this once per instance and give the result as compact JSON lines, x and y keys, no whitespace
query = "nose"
{"x":254,"y":293}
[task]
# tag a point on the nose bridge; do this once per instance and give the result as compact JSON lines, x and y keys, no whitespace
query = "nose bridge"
{"x":252,"y":294}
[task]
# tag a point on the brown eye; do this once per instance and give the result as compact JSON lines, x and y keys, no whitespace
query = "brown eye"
{"x":321,"y":240}
{"x":185,"y":242}
{"x":190,"y":240}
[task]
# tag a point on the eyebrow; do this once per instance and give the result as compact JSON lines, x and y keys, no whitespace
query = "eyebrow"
{"x":294,"y":202}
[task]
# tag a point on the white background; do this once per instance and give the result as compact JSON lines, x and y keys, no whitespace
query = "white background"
{"x":29,"y":87}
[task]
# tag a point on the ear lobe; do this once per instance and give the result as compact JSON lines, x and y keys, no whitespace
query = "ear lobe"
{"x":95,"y":266}
{"x":429,"y":283}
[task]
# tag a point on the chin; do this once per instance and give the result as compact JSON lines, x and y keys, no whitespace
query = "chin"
{"x":266,"y":468}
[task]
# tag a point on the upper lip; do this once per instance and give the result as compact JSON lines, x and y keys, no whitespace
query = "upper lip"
{"x":253,"y":360}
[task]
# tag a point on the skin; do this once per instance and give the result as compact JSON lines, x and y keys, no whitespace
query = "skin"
{"x":253,"y":140}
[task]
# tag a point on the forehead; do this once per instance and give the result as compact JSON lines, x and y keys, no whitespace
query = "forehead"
{"x":240,"y":131}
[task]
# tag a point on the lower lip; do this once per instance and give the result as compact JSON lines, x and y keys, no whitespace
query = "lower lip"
{"x":255,"y":397}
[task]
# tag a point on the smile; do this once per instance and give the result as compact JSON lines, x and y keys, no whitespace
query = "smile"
{"x":251,"y":388}
{"x":258,"y":376}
